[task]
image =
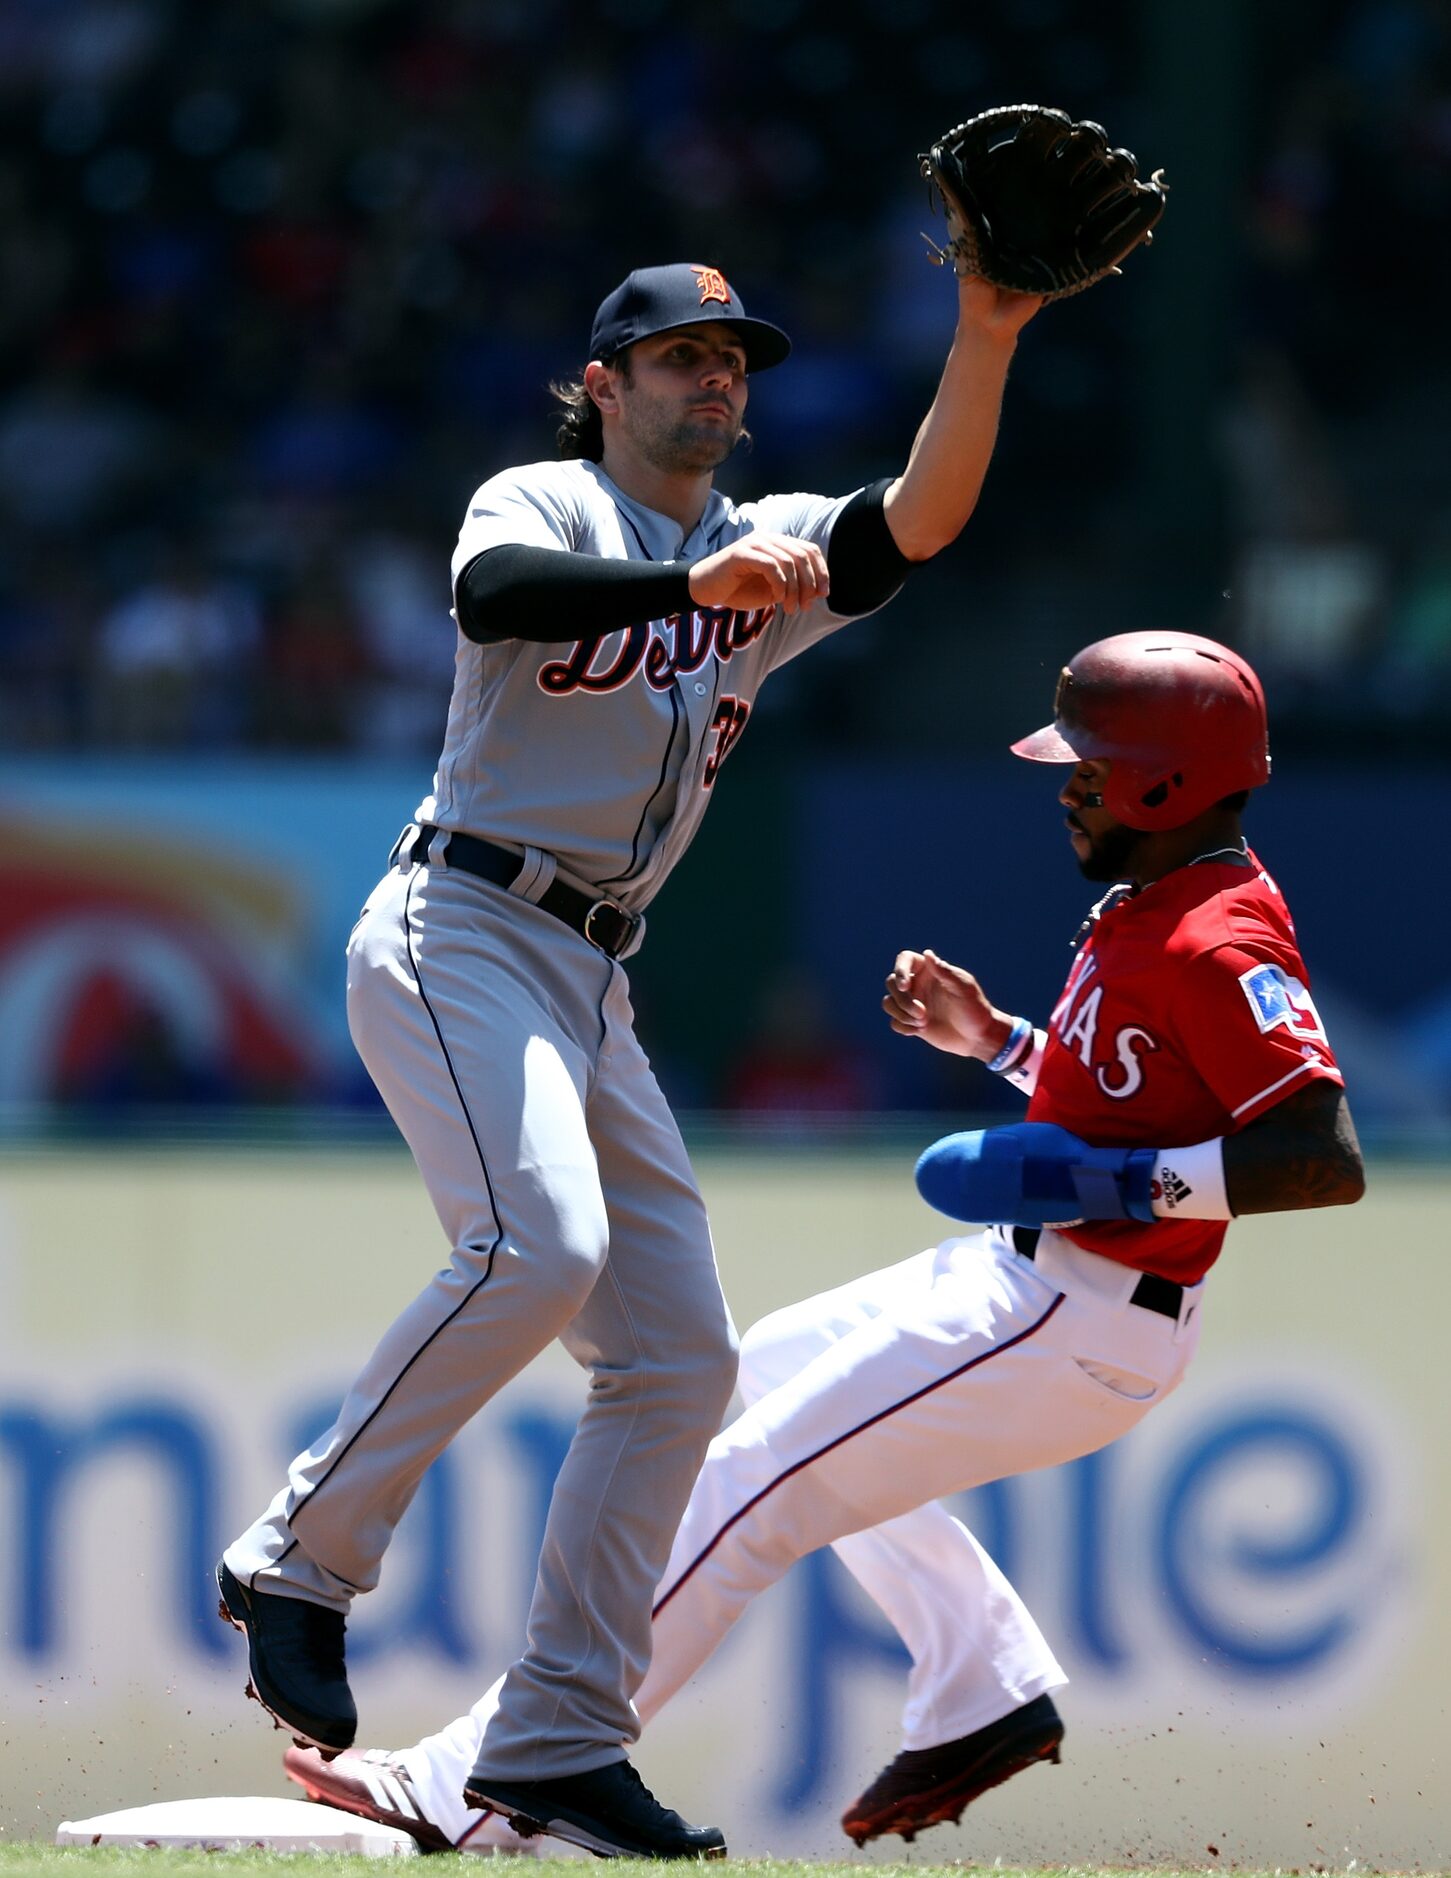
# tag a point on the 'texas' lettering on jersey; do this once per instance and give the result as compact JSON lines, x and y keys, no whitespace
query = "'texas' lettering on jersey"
{"x":1119,"y":1072}
{"x":693,"y":638}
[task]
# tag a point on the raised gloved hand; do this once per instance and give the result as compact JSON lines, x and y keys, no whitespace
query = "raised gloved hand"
{"x":1034,"y":1174}
{"x":1038,"y":204}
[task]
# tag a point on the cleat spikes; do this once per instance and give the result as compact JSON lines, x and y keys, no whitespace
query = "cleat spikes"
{"x":926,"y":1787}
{"x":295,"y":1663}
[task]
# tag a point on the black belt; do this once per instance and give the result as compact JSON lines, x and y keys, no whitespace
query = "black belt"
{"x":605,"y":923}
{"x":1151,"y":1293}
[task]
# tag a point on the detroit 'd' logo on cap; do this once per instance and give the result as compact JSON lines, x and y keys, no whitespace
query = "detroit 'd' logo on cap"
{"x":713,"y":285}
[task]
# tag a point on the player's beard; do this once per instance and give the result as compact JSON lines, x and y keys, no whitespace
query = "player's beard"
{"x":1110,"y":853}
{"x":676,"y":443}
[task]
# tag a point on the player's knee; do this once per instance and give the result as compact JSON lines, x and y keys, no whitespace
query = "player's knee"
{"x":543,"y":1292}
{"x":567,"y":1274}
{"x":553,"y":1263}
{"x":701,"y":1374}
{"x":560,"y":1237}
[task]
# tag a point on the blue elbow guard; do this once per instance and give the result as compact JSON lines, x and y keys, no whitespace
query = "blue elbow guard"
{"x":1034,"y":1174}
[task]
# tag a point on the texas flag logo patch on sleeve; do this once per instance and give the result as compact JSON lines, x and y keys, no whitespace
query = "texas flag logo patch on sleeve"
{"x":1278,"y":999}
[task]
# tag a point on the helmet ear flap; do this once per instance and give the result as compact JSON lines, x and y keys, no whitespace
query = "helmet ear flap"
{"x":1148,"y":797}
{"x":1156,"y":796}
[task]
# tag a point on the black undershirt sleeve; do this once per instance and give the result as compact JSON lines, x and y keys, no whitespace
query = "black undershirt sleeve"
{"x":551,"y":596}
{"x":862,"y":557}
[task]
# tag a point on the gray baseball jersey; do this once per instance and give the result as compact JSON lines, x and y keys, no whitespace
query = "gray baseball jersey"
{"x":603,"y":750}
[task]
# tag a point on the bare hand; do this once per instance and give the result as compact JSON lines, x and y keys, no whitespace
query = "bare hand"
{"x":944,"y":1006}
{"x":762,"y":570}
{"x":996,"y":311}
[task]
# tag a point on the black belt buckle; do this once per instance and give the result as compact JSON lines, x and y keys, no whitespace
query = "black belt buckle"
{"x":609,"y":927}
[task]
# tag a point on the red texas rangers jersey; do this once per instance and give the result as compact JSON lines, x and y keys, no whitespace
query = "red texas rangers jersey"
{"x":1186,"y":1015}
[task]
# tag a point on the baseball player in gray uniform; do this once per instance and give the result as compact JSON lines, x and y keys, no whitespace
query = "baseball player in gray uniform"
{"x":616,"y":618}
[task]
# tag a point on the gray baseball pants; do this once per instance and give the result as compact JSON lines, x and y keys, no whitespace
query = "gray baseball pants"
{"x":503,"y":1044}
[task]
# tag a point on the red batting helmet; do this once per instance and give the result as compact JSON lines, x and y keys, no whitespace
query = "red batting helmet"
{"x":1181,"y":721}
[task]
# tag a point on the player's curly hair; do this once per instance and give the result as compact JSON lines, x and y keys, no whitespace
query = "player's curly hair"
{"x":581,"y":433}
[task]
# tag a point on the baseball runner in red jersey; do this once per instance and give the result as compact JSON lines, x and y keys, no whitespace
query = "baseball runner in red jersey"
{"x":617,"y":616}
{"x":1186,"y":1019}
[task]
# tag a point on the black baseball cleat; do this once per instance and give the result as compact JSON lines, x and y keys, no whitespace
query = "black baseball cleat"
{"x":928,"y":1786}
{"x":295,"y":1654}
{"x":609,"y":1811}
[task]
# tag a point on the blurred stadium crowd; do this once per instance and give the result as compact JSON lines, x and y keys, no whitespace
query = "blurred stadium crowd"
{"x":282,"y":280}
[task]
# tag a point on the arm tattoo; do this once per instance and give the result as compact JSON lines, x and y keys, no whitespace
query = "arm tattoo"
{"x":1304,"y":1153}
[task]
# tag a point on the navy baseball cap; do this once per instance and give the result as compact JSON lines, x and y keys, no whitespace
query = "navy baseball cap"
{"x":655,"y":299}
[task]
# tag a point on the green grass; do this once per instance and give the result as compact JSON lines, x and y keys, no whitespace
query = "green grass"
{"x":45,"y":1861}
